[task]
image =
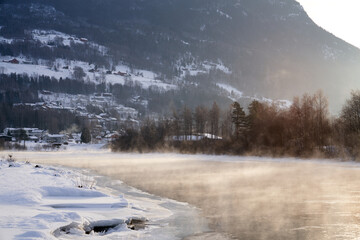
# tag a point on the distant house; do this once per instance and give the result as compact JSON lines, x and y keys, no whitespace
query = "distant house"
{"x":45,"y":92}
{"x":13,"y":132}
{"x":74,"y":138}
{"x":35,"y":133}
{"x":5,"y":138}
{"x":194,"y":137}
{"x":13,"y":61}
{"x":55,"y":139}
{"x":32,"y":133}
{"x":77,"y":137}
{"x":107,"y":94}
{"x":123,"y":74}
{"x":83,"y":39}
{"x":111,"y":136}
{"x":33,"y":138}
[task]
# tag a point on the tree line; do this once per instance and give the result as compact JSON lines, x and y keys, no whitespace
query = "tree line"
{"x":22,"y":88}
{"x":304,"y":129}
{"x":54,"y":120}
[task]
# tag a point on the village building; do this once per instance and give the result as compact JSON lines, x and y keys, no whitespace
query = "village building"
{"x":5,"y":138}
{"x":33,"y":134}
{"x":194,"y":137}
{"x":13,"y":61}
{"x":55,"y":139}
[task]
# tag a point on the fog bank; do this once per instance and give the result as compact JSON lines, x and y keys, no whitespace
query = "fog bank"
{"x":249,"y":198}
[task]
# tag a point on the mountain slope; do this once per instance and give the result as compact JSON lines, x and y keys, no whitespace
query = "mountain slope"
{"x":271,"y":47}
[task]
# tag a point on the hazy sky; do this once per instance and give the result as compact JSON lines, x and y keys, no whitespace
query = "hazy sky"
{"x":340,"y":17}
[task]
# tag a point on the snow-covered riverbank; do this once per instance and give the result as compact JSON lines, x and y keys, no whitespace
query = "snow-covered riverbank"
{"x":40,"y":202}
{"x":244,"y":197}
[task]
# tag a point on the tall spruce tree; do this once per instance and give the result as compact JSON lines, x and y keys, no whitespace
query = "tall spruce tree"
{"x":239,"y":119}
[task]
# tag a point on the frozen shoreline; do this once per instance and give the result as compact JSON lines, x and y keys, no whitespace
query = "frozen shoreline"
{"x":42,"y":202}
{"x":234,"y":193}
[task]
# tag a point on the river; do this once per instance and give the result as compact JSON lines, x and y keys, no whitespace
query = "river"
{"x":244,"y":197}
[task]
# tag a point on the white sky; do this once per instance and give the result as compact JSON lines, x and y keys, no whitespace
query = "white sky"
{"x":340,"y":17}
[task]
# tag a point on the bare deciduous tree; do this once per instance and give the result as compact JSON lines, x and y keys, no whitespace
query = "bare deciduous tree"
{"x":351,"y":113}
{"x":187,"y":121}
{"x":214,"y":116}
{"x":200,"y":119}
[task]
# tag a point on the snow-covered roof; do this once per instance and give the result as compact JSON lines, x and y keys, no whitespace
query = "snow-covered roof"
{"x":55,"y":135}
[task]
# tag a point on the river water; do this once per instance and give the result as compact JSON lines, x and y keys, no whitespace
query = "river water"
{"x":242,"y":197}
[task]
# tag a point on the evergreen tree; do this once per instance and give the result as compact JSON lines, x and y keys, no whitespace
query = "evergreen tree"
{"x":79,"y":73}
{"x":23,"y":136}
{"x":238,"y":119}
{"x":85,"y":135}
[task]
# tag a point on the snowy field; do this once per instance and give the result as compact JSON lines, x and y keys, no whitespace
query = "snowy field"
{"x":41,"y":202}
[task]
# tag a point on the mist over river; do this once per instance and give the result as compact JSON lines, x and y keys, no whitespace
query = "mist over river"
{"x":246,"y":197}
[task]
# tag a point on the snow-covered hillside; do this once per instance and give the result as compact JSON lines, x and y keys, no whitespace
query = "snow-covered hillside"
{"x":261,"y":46}
{"x":62,"y":68}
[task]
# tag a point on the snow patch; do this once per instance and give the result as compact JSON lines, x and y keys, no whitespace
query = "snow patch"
{"x":51,"y":37}
{"x":223,"y":14}
{"x":294,"y":15}
{"x":186,"y":43}
{"x":44,"y":10}
{"x":330,"y":53}
{"x":282,"y":104}
{"x":234,"y":95}
{"x":5,"y":40}
{"x":202,"y":68}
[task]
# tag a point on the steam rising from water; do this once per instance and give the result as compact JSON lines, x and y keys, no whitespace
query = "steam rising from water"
{"x":249,"y":198}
